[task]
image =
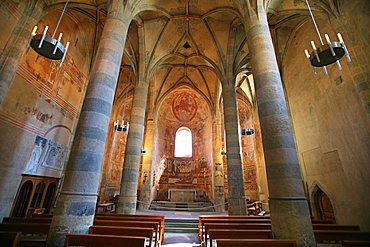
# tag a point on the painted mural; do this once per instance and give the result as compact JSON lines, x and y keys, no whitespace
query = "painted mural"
{"x":184,"y":108}
{"x":46,"y":154}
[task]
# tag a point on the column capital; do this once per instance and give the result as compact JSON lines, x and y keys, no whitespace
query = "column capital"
{"x":116,"y":9}
{"x":254,"y":11}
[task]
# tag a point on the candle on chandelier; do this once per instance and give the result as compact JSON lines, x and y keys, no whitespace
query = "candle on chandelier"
{"x":313,"y":45}
{"x":327,"y":38}
{"x":43,"y":36}
{"x":34,"y":30}
{"x":307,"y":54}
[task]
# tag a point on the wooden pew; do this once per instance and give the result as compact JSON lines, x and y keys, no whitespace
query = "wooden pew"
{"x":355,"y":243}
{"x":135,"y":216}
{"x":314,"y":221}
{"x":124,"y":231}
{"x":232,"y":226}
{"x":256,"y":243}
{"x":26,"y":220}
{"x":38,"y":232}
{"x":335,"y":227}
{"x":96,"y":240}
{"x":323,"y":236}
{"x":230,"y":219}
{"x":10,"y":239}
{"x":145,"y":224}
{"x":238,"y":234}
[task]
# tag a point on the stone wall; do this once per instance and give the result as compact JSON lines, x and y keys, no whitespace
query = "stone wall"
{"x":329,"y":118}
{"x":43,"y":103}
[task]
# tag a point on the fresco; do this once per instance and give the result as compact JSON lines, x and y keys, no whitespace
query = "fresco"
{"x":184,"y":107}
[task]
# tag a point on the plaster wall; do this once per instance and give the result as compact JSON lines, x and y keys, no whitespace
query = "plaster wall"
{"x":43,"y":103}
{"x":329,"y":120}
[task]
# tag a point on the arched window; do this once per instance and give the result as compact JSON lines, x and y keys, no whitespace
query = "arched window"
{"x":183,"y":143}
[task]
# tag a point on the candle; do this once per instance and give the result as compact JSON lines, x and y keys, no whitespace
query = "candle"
{"x":340,"y":38}
{"x":307,"y":54}
{"x":60,"y":37}
{"x":34,"y":31}
{"x":313,"y":45}
{"x":46,"y":30}
{"x":327,"y":38}
{"x":67,"y":47}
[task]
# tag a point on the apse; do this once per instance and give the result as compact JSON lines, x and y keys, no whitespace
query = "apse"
{"x":183,"y":144}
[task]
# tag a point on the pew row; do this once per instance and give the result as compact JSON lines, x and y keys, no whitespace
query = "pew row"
{"x":328,"y":236}
{"x":37,"y":233}
{"x":97,"y":240}
{"x":238,"y":234}
{"x":124,"y":231}
{"x":10,"y":239}
{"x":144,"y":224}
{"x":131,"y":217}
{"x":256,"y":243}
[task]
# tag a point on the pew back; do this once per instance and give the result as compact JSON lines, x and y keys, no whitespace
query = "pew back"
{"x":10,"y":239}
{"x":256,"y":243}
{"x":97,"y":240}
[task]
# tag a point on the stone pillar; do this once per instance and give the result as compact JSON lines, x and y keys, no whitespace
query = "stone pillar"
{"x":17,"y":45}
{"x":235,"y":173}
{"x":146,"y":171}
{"x":130,"y":175}
{"x":290,"y":215}
{"x":219,"y":175}
{"x":76,"y":206}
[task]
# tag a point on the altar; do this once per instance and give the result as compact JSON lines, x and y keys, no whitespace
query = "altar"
{"x":182,"y":195}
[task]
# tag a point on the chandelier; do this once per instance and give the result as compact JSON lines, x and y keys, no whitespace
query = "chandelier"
{"x":47,"y":46}
{"x":329,"y":53}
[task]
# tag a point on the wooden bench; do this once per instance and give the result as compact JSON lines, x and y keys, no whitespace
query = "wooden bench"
{"x":256,"y":243}
{"x":144,"y":224}
{"x":135,"y":217}
{"x":232,"y":226}
{"x":26,"y":220}
{"x":10,"y":239}
{"x":96,"y":240}
{"x":36,"y":232}
{"x":355,"y":243}
{"x":335,"y":227}
{"x":314,"y":221}
{"x":230,"y":219}
{"x":238,"y":234}
{"x":124,"y":231}
{"x":323,"y":236}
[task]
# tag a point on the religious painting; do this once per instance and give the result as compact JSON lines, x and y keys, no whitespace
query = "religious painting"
{"x":184,"y":107}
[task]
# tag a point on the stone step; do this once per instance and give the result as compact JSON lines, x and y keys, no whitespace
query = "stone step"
{"x":181,"y":225}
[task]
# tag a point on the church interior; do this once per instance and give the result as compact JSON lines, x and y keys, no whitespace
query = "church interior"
{"x":225,"y":107}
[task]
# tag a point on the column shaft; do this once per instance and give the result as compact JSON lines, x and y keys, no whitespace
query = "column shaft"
{"x":219,"y":175}
{"x":146,"y":171}
{"x":130,"y":175}
{"x":290,"y":214}
{"x":76,"y":206}
{"x":235,"y":174}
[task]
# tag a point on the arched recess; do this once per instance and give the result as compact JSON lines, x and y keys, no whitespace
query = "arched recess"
{"x":24,"y":195}
{"x":49,"y":197}
{"x":323,"y":208}
{"x":37,"y":195}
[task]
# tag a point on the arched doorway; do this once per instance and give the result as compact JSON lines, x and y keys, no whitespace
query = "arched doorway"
{"x":21,"y":206}
{"x":323,"y":205}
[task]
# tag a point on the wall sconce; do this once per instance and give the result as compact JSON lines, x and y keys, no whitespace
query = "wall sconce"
{"x":121,"y":127}
{"x":223,"y":152}
{"x":143,"y":151}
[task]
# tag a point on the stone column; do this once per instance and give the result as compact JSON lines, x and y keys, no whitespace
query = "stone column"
{"x":290,"y":215}
{"x":130,"y":175}
{"x":76,"y":206}
{"x":146,"y":171}
{"x":17,"y":45}
{"x":219,"y":175}
{"x":235,"y":173}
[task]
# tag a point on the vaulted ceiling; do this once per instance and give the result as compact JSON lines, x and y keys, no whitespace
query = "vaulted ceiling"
{"x":187,"y":42}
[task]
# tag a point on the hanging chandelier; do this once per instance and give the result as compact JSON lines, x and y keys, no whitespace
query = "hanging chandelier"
{"x":329,"y":53}
{"x":47,"y":46}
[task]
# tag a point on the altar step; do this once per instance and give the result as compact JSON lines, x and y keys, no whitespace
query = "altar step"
{"x":181,"y":225}
{"x":182,"y":206}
